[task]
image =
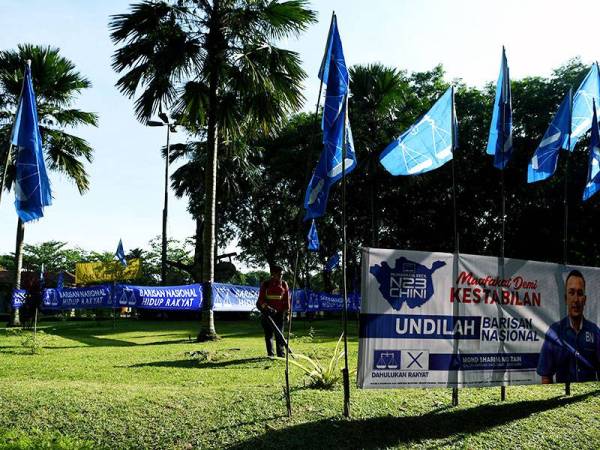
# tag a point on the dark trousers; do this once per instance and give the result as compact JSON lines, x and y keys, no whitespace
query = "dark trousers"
{"x":270,"y":331}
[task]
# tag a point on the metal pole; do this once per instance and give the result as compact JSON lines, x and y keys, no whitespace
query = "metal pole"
{"x":287,"y":380}
{"x":456,"y":242}
{"x":163,"y":262}
{"x":566,"y":205}
{"x":288,"y":398}
{"x":503,"y":208}
{"x":345,"y":371}
{"x":503,"y":199}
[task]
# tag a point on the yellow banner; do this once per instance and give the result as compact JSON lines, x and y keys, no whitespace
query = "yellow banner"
{"x":99,"y":272}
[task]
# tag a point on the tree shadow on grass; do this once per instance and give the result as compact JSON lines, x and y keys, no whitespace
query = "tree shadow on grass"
{"x":100,"y":338}
{"x":194,"y":364}
{"x":384,"y":432}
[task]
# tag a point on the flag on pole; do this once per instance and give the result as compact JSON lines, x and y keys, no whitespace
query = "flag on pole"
{"x":32,"y":187}
{"x":42,"y":280}
{"x":332,"y":262}
{"x":313,"y":238}
{"x":586,"y":95}
{"x":593,"y":179}
{"x":544,"y":160}
{"x":60,"y":281}
{"x":120,"y":254}
{"x":335,"y":125}
{"x":426,"y":145}
{"x":500,"y":138}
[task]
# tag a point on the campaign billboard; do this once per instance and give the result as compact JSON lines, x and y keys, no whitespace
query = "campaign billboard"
{"x":439,"y":319}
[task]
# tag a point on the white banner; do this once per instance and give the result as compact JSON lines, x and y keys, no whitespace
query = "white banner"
{"x":433,"y":319}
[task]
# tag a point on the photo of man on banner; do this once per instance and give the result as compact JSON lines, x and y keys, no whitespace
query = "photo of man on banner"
{"x":571,"y":349}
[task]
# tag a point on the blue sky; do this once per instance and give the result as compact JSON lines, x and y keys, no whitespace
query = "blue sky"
{"x":125,"y":199}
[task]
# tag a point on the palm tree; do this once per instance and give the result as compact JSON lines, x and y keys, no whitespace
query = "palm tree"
{"x":56,"y":83}
{"x":216,"y":64}
{"x":378,"y":96}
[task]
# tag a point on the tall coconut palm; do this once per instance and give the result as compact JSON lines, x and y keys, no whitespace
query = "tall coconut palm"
{"x":215,"y":62}
{"x":56,"y":83}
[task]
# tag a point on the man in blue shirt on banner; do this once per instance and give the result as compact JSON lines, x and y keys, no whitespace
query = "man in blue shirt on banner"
{"x":571,"y":350}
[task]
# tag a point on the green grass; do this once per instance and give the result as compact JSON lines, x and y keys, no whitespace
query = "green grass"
{"x":92,"y":386}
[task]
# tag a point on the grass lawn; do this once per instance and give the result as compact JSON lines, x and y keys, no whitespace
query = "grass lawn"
{"x":95,"y":386}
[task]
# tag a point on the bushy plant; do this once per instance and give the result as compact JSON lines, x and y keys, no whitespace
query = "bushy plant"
{"x":33,"y":343}
{"x":320,"y":376}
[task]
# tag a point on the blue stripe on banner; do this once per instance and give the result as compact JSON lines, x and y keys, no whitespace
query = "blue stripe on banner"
{"x":483,"y":361}
{"x":404,"y":326}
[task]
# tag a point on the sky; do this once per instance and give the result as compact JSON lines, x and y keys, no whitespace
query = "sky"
{"x":126,"y":194}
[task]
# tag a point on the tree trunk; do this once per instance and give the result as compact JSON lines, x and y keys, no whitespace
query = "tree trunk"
{"x":15,"y":319}
{"x":215,"y":45}
{"x":372,"y":199}
{"x":197,"y":266}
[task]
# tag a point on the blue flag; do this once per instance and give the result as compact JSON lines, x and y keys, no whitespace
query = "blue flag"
{"x":32,"y":187}
{"x":544,"y":160}
{"x":586,"y":95}
{"x":426,"y":145}
{"x":60,"y":281}
{"x":336,"y":129}
{"x":42,"y":279}
{"x":120,"y":254}
{"x":313,"y":238}
{"x":593,"y":180}
{"x":500,"y":139}
{"x":332,"y":262}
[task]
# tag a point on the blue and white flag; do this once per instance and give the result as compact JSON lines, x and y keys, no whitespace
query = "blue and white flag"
{"x":60,"y":281}
{"x":313,"y":238}
{"x":593,"y":180}
{"x":120,"y":254}
{"x":544,"y":160}
{"x":32,"y":187}
{"x":42,"y":278}
{"x":332,"y":262}
{"x":426,"y":145}
{"x":586,"y":95}
{"x":500,"y":138}
{"x":336,"y":128}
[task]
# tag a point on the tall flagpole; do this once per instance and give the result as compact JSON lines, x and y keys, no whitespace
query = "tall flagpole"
{"x":345,"y":372}
{"x":503,"y":200}
{"x":566,"y":205}
{"x":289,"y":330}
{"x":456,"y":242}
{"x":502,"y":271}
{"x":288,"y":399}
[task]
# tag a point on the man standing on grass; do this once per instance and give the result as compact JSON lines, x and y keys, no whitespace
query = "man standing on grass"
{"x":274,"y":303}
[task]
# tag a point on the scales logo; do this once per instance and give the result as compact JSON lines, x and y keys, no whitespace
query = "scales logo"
{"x":401,"y":360}
{"x":127,"y":297}
{"x":386,"y":359}
{"x":407,"y":282}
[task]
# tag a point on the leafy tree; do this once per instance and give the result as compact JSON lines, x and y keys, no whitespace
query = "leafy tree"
{"x":56,"y":83}
{"x":417,"y":212}
{"x":53,"y":256}
{"x":234,"y":80}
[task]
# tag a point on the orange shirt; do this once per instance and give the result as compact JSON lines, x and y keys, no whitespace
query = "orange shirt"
{"x":274,"y":294}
